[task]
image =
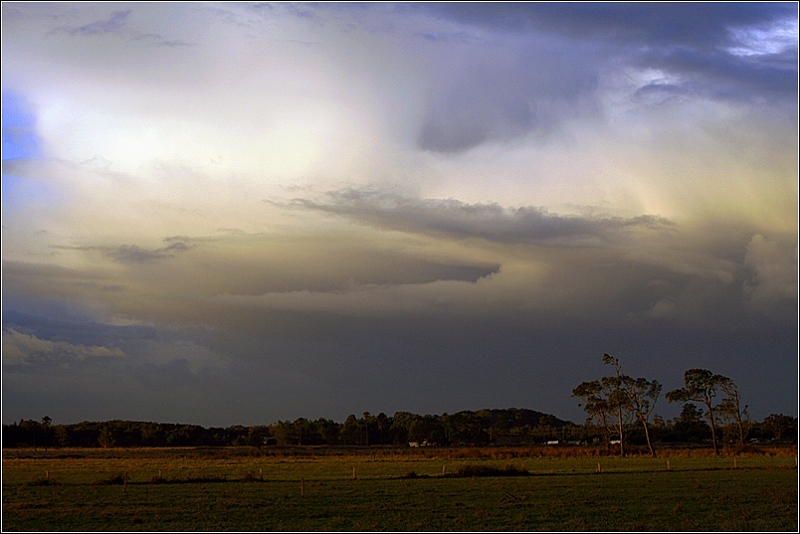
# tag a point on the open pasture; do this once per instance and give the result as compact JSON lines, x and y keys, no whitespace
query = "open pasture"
{"x":176,"y":490}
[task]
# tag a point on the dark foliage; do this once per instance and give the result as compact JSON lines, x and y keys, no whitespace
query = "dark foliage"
{"x":467,"y":428}
{"x":488,"y":471}
{"x":116,"y":480}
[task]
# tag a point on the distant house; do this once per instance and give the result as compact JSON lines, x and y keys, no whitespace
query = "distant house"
{"x":553,"y":442}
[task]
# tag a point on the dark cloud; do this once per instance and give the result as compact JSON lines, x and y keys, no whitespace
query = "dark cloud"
{"x":459,"y":220}
{"x":704,"y":25}
{"x":404,"y":363}
{"x":133,"y":254}
{"x":156,"y":39}
{"x":532,"y":89}
{"x":545,"y":335}
{"x":723,"y":76}
{"x":168,"y":376}
{"x":570,"y":46}
{"x":116,"y":23}
{"x":15,"y":166}
{"x":175,"y":43}
{"x":77,"y":332}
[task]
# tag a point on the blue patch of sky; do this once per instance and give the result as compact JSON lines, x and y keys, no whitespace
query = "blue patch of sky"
{"x":19,"y":133}
{"x":20,"y":141}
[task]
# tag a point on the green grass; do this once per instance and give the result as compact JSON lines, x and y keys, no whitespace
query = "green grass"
{"x":259,"y":493}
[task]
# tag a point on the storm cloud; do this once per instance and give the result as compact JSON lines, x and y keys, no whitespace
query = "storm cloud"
{"x":452,"y":218}
{"x":239,"y":213}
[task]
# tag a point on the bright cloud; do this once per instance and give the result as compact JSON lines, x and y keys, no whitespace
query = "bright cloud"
{"x":27,"y":349}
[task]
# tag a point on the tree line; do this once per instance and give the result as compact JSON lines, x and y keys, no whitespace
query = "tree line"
{"x":463,"y":428}
{"x":467,"y":428}
{"x":619,"y":406}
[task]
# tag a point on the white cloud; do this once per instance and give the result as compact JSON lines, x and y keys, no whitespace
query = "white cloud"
{"x":773,"y":38}
{"x":27,"y":349}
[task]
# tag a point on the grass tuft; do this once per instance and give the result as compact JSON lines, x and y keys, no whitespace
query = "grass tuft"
{"x":412,"y":474}
{"x":117,"y":480}
{"x":488,"y":471}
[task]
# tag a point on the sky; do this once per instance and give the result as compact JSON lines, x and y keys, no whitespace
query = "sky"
{"x":222,"y":213}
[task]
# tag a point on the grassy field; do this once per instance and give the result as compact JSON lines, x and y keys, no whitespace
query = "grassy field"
{"x":213,"y":489}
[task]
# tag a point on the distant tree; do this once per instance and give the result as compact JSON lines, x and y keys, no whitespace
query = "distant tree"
{"x":640,"y":393}
{"x":284,"y":432}
{"x":418,"y":430}
{"x":465,"y":428}
{"x":518,"y":421}
{"x":730,"y":409}
{"x":596,"y":404}
{"x":367,"y":422}
{"x":153,"y":435}
{"x":328,"y":431}
{"x":701,"y":385}
{"x":350,"y":433}
{"x":778,"y":426}
{"x":301,"y":427}
{"x":106,"y":438}
{"x":383,"y":424}
{"x":431,"y":429}
{"x":607,"y":401}
{"x":46,"y":426}
{"x":617,"y":397}
{"x":29,"y":431}
{"x":62,"y":435}
{"x":257,"y":436}
{"x":689,"y":426}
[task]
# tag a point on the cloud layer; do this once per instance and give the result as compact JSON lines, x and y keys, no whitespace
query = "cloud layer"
{"x":243,"y":213}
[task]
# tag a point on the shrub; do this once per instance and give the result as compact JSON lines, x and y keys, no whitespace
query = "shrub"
{"x":412,"y":474}
{"x":488,"y":471}
{"x":117,"y":480}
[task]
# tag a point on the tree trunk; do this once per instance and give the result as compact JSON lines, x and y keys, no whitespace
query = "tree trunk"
{"x":647,"y":437}
{"x":713,"y":430}
{"x":741,"y":433}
